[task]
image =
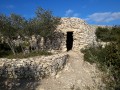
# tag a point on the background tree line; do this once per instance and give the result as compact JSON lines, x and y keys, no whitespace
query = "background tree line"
{"x":16,"y":32}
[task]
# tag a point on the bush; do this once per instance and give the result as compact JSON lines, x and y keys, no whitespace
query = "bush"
{"x":107,"y":58}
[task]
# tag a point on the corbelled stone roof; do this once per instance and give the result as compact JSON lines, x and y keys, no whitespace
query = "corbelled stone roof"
{"x":72,"y":24}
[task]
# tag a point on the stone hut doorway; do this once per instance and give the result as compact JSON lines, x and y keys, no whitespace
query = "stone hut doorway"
{"x":69,"y":41}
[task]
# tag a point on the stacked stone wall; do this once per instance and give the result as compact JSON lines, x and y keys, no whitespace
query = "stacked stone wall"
{"x":35,"y":67}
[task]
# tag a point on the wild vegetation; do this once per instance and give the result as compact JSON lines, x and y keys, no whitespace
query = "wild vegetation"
{"x":16,"y":35}
{"x":16,"y":32}
{"x":107,"y":57}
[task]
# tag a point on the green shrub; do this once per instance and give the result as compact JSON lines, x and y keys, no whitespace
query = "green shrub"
{"x":107,"y":58}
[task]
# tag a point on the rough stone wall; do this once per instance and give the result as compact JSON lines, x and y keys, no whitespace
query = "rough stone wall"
{"x":55,"y":42}
{"x":83,"y":34}
{"x":35,"y":67}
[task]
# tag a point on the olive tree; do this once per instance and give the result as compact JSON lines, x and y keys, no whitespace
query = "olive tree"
{"x":15,"y":28}
{"x":11,"y":28}
{"x":47,"y":23}
{"x":7,"y":31}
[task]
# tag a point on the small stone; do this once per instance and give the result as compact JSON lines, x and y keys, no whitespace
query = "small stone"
{"x":41,"y":89}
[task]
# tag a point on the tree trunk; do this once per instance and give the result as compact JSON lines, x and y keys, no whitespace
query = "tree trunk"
{"x":22,"y":49}
{"x":42,"y":43}
{"x":11,"y":46}
{"x":38,"y":43}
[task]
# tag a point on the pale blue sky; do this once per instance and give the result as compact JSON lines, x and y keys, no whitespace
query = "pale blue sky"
{"x":102,"y":12}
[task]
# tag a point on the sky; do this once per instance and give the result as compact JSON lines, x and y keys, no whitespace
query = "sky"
{"x":98,"y":12}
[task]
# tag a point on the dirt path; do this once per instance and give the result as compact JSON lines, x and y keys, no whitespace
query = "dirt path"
{"x":77,"y":75}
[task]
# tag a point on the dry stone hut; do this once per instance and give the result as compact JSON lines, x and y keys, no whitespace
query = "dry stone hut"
{"x":76,"y":34}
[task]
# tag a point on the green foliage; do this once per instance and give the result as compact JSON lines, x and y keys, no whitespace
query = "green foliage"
{"x":16,"y":29}
{"x":102,"y":33}
{"x":6,"y":30}
{"x":107,"y":58}
{"x":106,"y":34}
{"x":46,"y":22}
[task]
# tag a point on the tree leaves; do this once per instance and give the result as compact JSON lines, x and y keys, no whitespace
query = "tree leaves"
{"x":14,"y":27}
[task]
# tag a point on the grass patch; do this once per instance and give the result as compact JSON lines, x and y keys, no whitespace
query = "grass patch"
{"x":31,"y":54}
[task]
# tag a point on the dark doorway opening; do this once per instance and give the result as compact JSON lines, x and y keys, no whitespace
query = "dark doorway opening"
{"x":69,"y":41}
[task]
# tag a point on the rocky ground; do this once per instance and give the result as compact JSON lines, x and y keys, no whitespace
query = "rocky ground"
{"x":77,"y":75}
